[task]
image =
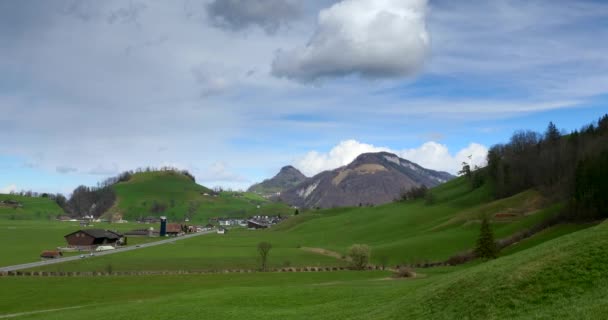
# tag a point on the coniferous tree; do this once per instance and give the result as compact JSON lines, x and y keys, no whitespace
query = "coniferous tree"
{"x":486,"y":247}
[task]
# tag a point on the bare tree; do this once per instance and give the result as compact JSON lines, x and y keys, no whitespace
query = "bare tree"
{"x":264,"y":250}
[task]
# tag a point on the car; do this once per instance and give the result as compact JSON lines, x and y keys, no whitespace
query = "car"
{"x":91,"y":254}
{"x":82,"y":256}
{"x":137,"y":246}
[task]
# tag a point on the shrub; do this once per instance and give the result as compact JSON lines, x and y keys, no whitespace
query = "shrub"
{"x":359,"y":255}
{"x":404,"y":272}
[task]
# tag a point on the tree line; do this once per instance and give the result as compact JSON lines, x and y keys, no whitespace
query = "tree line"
{"x":569,"y":168}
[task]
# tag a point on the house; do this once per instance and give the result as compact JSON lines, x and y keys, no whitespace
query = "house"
{"x":174,"y":229}
{"x":222,"y":231}
{"x":257,"y":224}
{"x":51,"y":254}
{"x":89,"y":239}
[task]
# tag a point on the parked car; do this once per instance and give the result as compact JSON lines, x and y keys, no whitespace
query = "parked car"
{"x":82,"y":256}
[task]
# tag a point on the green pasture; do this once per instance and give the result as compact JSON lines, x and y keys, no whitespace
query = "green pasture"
{"x":398,"y":233}
{"x":563,"y":278}
{"x":181,"y":197}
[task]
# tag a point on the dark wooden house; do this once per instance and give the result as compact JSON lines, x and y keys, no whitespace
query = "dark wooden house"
{"x":51,"y":254}
{"x":88,"y":239}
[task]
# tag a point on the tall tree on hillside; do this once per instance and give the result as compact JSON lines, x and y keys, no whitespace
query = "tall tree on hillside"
{"x":486,"y":246}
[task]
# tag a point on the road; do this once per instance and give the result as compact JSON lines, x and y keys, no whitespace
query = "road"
{"x":101,"y":253}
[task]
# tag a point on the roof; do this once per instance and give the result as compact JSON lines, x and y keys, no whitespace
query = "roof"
{"x":50,"y":253}
{"x":99,"y":233}
{"x":174,"y":228}
{"x":259,"y":223}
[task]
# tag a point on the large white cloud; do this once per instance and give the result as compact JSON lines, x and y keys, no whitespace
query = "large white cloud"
{"x":431,"y":155}
{"x":371,"y":38}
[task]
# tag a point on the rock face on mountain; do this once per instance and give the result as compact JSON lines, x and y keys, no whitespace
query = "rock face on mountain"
{"x":287,"y":178}
{"x":372,"y":178}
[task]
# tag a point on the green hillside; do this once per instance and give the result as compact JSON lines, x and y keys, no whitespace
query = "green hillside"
{"x":29,"y":208}
{"x":564,"y":278}
{"x":177,"y":197}
{"x":398,"y":233}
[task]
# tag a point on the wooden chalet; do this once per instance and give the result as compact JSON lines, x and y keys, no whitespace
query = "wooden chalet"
{"x":88,"y":239}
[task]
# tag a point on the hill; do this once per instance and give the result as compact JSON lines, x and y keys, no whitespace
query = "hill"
{"x":401,"y":232}
{"x":371,"y":179}
{"x":15,"y":207}
{"x":177,"y":196}
{"x":287,"y":177}
{"x":562,"y":278}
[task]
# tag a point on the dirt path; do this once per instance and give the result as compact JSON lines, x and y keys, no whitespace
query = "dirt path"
{"x":27,"y":313}
{"x":326,"y":252}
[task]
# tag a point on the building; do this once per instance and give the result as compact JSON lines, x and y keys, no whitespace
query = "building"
{"x":257,"y":224}
{"x":222,"y":231}
{"x":51,"y":254}
{"x":89,"y":239}
{"x":175,"y":229}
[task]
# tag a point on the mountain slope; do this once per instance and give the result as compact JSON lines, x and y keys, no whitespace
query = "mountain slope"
{"x":177,"y":196}
{"x":372,"y":178}
{"x":287,"y":178}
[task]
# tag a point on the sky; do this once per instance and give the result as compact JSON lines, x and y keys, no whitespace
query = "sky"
{"x":232,"y":90}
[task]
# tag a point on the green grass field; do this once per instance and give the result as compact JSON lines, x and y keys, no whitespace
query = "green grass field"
{"x":398,"y":233}
{"x":24,"y":240}
{"x":181,"y":196}
{"x":564,"y":278}
{"x":32,"y":208}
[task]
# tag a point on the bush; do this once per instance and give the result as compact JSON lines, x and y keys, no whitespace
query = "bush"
{"x":359,"y":255}
{"x":404,"y":272}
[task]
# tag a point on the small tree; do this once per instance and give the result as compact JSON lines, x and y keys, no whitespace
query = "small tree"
{"x":297,"y":212}
{"x":264,"y":250}
{"x":359,"y":255}
{"x":486,"y":247}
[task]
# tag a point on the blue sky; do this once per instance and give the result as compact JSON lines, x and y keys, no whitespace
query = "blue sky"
{"x":233,"y":90}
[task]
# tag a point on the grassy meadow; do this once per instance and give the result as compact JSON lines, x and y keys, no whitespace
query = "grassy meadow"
{"x":180,"y":197}
{"x":563,"y":278}
{"x":398,"y":233}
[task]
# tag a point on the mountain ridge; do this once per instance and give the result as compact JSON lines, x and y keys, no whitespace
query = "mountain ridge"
{"x":370,"y":179}
{"x":287,"y":177}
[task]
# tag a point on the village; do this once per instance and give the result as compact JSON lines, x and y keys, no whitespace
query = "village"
{"x":91,"y":240}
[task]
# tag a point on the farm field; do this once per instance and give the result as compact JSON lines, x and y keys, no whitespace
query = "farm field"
{"x":24,"y":240}
{"x":31,"y":209}
{"x":562,"y":278}
{"x":398,"y":233}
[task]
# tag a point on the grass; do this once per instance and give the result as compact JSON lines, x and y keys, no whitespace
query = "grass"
{"x":565,"y":278}
{"x":32,"y":208}
{"x":398,"y":233}
{"x":22,"y":241}
{"x":182,"y":197}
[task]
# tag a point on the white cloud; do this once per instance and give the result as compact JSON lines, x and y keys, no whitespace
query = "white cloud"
{"x":431,"y":155}
{"x":371,"y":38}
{"x":9,"y":188}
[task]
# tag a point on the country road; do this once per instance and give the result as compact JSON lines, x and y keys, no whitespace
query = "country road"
{"x":102,"y":253}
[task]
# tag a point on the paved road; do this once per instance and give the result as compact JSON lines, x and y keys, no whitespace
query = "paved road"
{"x":102,"y":253}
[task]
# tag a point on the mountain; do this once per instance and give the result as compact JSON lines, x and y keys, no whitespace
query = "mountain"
{"x":287,"y":178}
{"x":372,"y":178}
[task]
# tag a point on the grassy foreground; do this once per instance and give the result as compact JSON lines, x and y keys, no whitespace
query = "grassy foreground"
{"x":565,"y":278}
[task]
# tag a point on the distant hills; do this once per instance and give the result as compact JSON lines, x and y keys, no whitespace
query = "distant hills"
{"x":372,"y":178}
{"x":177,"y":196}
{"x":287,"y":178}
